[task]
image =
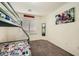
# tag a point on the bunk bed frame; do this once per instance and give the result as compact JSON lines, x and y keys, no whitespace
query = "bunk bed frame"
{"x":8,"y":23}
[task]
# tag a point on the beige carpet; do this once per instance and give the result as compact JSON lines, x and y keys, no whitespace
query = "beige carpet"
{"x":45,"y":48}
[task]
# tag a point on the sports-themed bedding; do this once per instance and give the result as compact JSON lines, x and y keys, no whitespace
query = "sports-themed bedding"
{"x":15,"y":48}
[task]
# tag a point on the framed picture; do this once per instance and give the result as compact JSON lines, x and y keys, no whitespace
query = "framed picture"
{"x":43,"y":29}
{"x":67,"y":16}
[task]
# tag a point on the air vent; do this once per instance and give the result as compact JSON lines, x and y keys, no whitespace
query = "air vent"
{"x":29,"y":16}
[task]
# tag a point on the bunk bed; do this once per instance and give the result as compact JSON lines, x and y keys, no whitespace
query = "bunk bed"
{"x":9,"y":18}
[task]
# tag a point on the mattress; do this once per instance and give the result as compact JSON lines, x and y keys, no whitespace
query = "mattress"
{"x":15,"y":48}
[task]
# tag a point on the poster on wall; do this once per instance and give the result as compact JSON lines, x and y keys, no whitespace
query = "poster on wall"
{"x":67,"y":16}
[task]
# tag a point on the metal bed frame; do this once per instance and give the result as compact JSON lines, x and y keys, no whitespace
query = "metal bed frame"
{"x":14,"y":13}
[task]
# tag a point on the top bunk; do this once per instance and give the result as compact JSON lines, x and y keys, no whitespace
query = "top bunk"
{"x":8,"y":16}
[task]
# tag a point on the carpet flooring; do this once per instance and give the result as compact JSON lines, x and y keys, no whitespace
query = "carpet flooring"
{"x":45,"y":48}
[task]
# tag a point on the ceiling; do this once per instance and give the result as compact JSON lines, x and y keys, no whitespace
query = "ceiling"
{"x":36,"y":8}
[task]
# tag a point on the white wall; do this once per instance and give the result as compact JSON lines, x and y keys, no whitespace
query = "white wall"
{"x":66,"y":35}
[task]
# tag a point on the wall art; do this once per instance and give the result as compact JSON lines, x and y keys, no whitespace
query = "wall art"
{"x":67,"y":16}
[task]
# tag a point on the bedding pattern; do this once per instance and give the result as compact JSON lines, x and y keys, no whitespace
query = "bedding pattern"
{"x":16,"y":48}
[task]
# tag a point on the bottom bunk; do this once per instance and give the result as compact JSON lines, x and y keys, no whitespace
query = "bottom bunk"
{"x":15,"y":48}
